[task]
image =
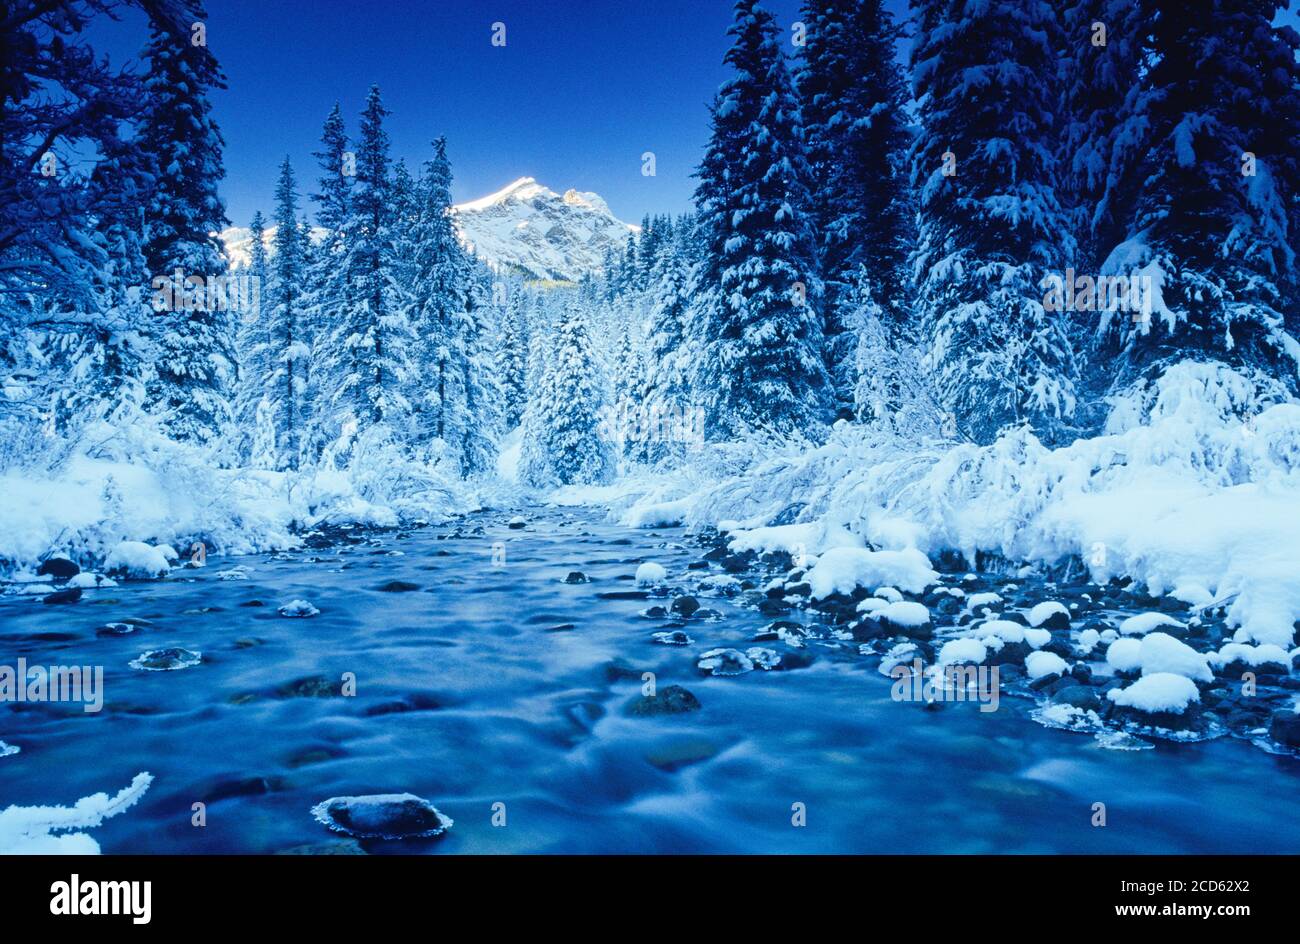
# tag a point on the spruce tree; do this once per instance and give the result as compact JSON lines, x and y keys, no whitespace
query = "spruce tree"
{"x":854,"y":102}
{"x":251,"y":345}
{"x":365,"y":356}
{"x":1211,"y":226}
{"x":564,"y":433}
{"x":991,"y":226}
{"x":195,"y":359}
{"x":286,"y":387}
{"x":512,"y":362}
{"x":760,"y":328}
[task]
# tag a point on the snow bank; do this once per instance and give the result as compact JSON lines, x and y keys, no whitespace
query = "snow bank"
{"x":132,"y":485}
{"x":1195,"y":484}
{"x":31,"y":830}
{"x":844,"y":569}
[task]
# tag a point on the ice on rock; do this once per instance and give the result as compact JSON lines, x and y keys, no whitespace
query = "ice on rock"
{"x":725,"y":662}
{"x":298,"y":609}
{"x":673,"y":638}
{"x":382,"y":816}
{"x":1158,"y":693}
{"x":650,"y":574}
{"x":762,"y":658}
{"x":1162,"y":653}
{"x":166,"y":660}
{"x":1041,"y":664}
{"x":7,"y":750}
{"x":139,"y":561}
{"x":1144,"y":623}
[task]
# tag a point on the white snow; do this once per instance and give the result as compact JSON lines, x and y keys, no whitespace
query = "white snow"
{"x":1042,"y":612}
{"x":844,"y":569}
{"x":138,"y":560}
{"x":1162,"y":653}
{"x":55,"y":830}
{"x":1088,"y":640}
{"x":650,"y":574}
{"x":1041,"y":664}
{"x":962,"y":650}
{"x":1145,"y":622}
{"x":1124,"y":655}
{"x":1161,"y":692}
{"x":1250,"y":655}
{"x":905,"y":613}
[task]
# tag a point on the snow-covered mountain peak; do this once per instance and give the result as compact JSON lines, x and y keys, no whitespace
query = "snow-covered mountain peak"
{"x":528,"y":228}
{"x":524,"y":228}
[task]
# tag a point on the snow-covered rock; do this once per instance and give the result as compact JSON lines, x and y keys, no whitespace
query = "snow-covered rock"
{"x":957,"y":651}
{"x":298,"y":609}
{"x":1050,"y":614}
{"x":1144,"y":623}
{"x":382,"y":816}
{"x":650,"y":574}
{"x":139,"y":561}
{"x":1163,"y":692}
{"x":1161,"y":653}
{"x":1124,"y":655}
{"x":1042,"y":664}
{"x":844,"y":569}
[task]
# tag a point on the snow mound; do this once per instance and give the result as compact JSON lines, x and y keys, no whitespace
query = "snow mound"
{"x":650,"y":574}
{"x":1041,"y":664}
{"x":1160,"y":653}
{"x":1143,"y":623}
{"x":844,"y":569}
{"x":138,"y":560}
{"x":958,"y":651}
{"x":1124,"y":655}
{"x":1158,"y":693}
{"x":905,"y":613}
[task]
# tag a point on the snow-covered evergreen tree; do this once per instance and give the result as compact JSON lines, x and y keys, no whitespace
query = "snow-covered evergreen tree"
{"x":759,"y":327}
{"x":290,"y":353}
{"x":854,"y":102}
{"x":327,"y":285}
{"x":195,"y":360}
{"x":512,"y":359}
{"x":365,"y":354}
{"x":251,"y":346}
{"x":991,"y":226}
{"x":1211,"y":226}
{"x":564,"y":432}
{"x":453,"y":402}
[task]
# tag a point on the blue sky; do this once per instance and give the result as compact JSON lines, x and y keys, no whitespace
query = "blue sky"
{"x":581,"y":89}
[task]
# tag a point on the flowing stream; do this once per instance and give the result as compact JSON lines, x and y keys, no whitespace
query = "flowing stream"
{"x":485,"y":678}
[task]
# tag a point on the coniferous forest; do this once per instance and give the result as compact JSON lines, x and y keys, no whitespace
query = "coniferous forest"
{"x":975,"y":350}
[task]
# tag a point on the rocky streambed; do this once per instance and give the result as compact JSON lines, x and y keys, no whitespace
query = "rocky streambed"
{"x":542,"y":680}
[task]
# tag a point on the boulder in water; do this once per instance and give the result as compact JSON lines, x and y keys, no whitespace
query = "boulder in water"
{"x":69,"y":595}
{"x":382,"y":816}
{"x":298,"y":609}
{"x":670,"y":700}
{"x":166,"y":660}
{"x":60,"y":568}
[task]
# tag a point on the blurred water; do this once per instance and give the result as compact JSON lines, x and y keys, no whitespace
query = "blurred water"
{"x":509,"y":709}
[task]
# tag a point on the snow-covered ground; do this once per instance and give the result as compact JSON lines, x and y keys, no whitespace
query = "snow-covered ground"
{"x":1181,"y":493}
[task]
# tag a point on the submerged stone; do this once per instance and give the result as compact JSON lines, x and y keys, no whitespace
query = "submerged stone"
{"x":382,"y":816}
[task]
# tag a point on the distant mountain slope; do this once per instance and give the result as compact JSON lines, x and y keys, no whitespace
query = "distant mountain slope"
{"x":525,"y":228}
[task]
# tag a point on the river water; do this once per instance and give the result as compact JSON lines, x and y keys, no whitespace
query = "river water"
{"x":496,"y":682}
